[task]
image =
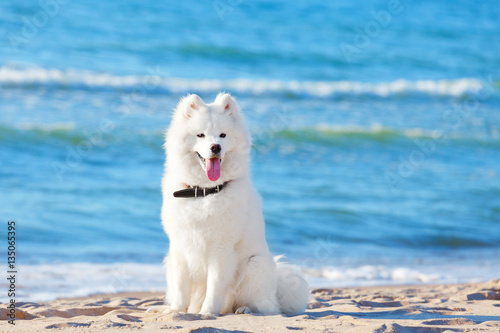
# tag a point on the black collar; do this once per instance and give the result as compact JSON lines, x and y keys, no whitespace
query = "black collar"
{"x":195,"y":191}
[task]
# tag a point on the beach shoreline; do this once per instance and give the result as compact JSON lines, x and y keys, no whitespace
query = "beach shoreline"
{"x":408,"y":308}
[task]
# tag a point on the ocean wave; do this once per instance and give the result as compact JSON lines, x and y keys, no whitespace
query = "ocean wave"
{"x":369,"y":274}
{"x":46,"y":282}
{"x":328,"y":134}
{"x":36,"y":133}
{"x":320,"y":134}
{"x":373,"y":275}
{"x":35,"y":77}
{"x":70,"y":134}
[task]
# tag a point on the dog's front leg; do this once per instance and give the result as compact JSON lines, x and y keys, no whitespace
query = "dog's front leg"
{"x":178,"y":282}
{"x":221,"y":272}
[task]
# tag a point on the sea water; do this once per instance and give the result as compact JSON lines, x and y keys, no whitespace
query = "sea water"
{"x":376,"y":135}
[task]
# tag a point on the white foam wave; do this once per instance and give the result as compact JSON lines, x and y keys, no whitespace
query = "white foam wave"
{"x":51,"y":281}
{"x":370,"y":275}
{"x":36,"y":76}
{"x":373,"y":275}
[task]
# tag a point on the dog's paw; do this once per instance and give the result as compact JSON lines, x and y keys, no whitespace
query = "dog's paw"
{"x":243,"y":310}
{"x":208,"y":313}
{"x":208,"y":316}
{"x":159,"y":309}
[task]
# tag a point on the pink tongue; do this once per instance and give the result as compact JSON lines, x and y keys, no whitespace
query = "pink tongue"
{"x":213,"y":168}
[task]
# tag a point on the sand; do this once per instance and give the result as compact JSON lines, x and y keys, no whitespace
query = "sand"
{"x":424,"y":308}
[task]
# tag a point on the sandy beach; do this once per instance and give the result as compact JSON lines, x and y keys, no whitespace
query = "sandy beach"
{"x":424,"y":308}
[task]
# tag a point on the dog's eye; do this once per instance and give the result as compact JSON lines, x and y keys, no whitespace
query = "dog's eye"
{"x":222,"y":135}
{"x":201,"y":135}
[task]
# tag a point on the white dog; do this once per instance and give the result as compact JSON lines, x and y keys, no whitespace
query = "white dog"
{"x":218,"y":260}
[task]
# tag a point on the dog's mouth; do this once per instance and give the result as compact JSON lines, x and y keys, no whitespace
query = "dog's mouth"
{"x":211,"y":166}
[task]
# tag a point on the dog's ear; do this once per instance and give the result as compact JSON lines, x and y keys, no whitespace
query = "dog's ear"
{"x":190,"y":104}
{"x":227,"y":102}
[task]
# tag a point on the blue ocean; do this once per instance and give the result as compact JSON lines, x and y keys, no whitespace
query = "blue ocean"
{"x":376,"y":130}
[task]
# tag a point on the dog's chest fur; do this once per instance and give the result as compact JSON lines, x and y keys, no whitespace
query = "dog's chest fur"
{"x":203,"y":224}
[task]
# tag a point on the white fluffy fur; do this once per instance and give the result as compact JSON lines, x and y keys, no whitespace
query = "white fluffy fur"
{"x":218,"y":260}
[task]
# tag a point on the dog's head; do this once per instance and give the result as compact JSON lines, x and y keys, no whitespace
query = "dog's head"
{"x":209,"y":142}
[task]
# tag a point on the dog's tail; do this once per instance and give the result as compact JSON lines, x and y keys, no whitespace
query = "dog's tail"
{"x":293,"y":290}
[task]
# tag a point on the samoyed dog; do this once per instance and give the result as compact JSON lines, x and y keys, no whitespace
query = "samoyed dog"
{"x":218,"y":260}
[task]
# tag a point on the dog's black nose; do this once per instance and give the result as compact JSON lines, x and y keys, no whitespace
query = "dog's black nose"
{"x":215,"y":149}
